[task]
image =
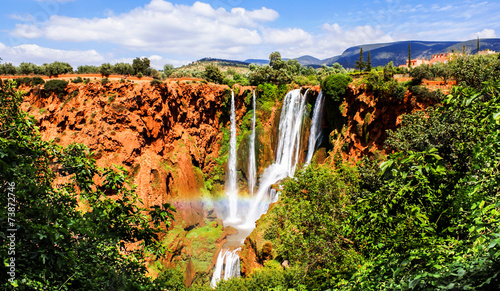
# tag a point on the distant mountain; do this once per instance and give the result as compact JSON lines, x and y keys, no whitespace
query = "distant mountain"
{"x":224,"y":62}
{"x":397,"y":52}
{"x":257,"y":61}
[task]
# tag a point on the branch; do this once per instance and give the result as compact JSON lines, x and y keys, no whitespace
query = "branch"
{"x":7,"y":130}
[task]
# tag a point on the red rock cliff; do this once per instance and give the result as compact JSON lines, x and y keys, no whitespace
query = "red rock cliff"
{"x":165,"y":135}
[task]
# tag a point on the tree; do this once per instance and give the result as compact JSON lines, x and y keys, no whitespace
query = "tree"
{"x":478,"y":44}
{"x":368,"y":62}
{"x":141,"y":65}
{"x":334,"y":86}
{"x":26,"y":68}
{"x":168,"y":69}
{"x":123,"y":69}
{"x":59,"y":246}
{"x":409,"y":55}
{"x":7,"y":69}
{"x":360,"y":64}
{"x":213,"y":74}
{"x":106,"y":69}
{"x":57,"y":68}
{"x":275,"y":61}
{"x":388,"y":71}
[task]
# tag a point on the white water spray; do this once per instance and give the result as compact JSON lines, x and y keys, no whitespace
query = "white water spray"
{"x":315,"y":127}
{"x":231,"y":183}
{"x":252,"y":168}
{"x":287,"y":154}
{"x":227,"y":266}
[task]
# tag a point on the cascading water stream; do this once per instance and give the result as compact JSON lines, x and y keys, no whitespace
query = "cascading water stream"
{"x":252,"y":168}
{"x":287,"y":154}
{"x":231,"y":182}
{"x":315,"y":127}
{"x":227,"y":266}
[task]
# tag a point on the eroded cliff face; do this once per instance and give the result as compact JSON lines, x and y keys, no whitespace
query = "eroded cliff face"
{"x":167,"y":136}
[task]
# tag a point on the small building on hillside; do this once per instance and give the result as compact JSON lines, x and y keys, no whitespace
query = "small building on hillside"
{"x":486,"y":52}
{"x":436,"y":58}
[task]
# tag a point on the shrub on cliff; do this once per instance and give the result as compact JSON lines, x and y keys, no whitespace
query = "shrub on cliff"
{"x":334,"y":86}
{"x":57,"y":86}
{"x":37,"y":81}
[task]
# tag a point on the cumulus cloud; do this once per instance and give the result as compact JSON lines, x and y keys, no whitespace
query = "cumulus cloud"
{"x":162,"y":27}
{"x":336,"y":39}
{"x":37,"y":54}
{"x":486,"y":33}
{"x":289,"y":36}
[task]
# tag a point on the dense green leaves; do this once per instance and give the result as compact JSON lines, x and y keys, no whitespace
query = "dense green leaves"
{"x":334,"y":86}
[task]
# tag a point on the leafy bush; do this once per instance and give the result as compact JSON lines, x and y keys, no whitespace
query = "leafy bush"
{"x":213,"y":74}
{"x":474,"y":70}
{"x":37,"y":81}
{"x":23,"y":81}
{"x":58,"y":86}
{"x":311,"y":222}
{"x":105,"y":81}
{"x":423,"y":93}
{"x":77,"y":80}
{"x":155,"y":82}
{"x":334,"y":86}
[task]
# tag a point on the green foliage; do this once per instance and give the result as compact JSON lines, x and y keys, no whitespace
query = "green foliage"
{"x":310,"y":223}
{"x":87,"y":69}
{"x":77,"y":80}
{"x":58,"y":86}
{"x":59,"y":246}
{"x":105,"y":81}
{"x":424,"y":94}
{"x":421,"y":72}
{"x":23,"y":81}
{"x":141,"y":66}
{"x":155,"y":82}
{"x":168,"y":69}
{"x":57,"y":68}
{"x":123,"y":69}
{"x":106,"y":69}
{"x":264,"y":280}
{"x":440,"y":189}
{"x":334,"y":86}
{"x":7,"y":69}
{"x":213,"y":74}
{"x":474,"y":70}
{"x":37,"y":81}
{"x":360,"y":64}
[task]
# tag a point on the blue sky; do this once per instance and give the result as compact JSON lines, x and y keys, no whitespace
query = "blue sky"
{"x":179,"y":32}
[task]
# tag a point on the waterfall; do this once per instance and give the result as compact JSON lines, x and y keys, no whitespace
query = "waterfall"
{"x":252,"y":169}
{"x":227,"y":266}
{"x":287,"y":154}
{"x":315,"y":127}
{"x":231,"y":183}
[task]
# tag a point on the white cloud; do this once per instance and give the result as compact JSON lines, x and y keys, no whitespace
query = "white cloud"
{"x":289,"y":36}
{"x":336,"y":39}
{"x":39,"y":55}
{"x":485,"y":33}
{"x":161,"y":26}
